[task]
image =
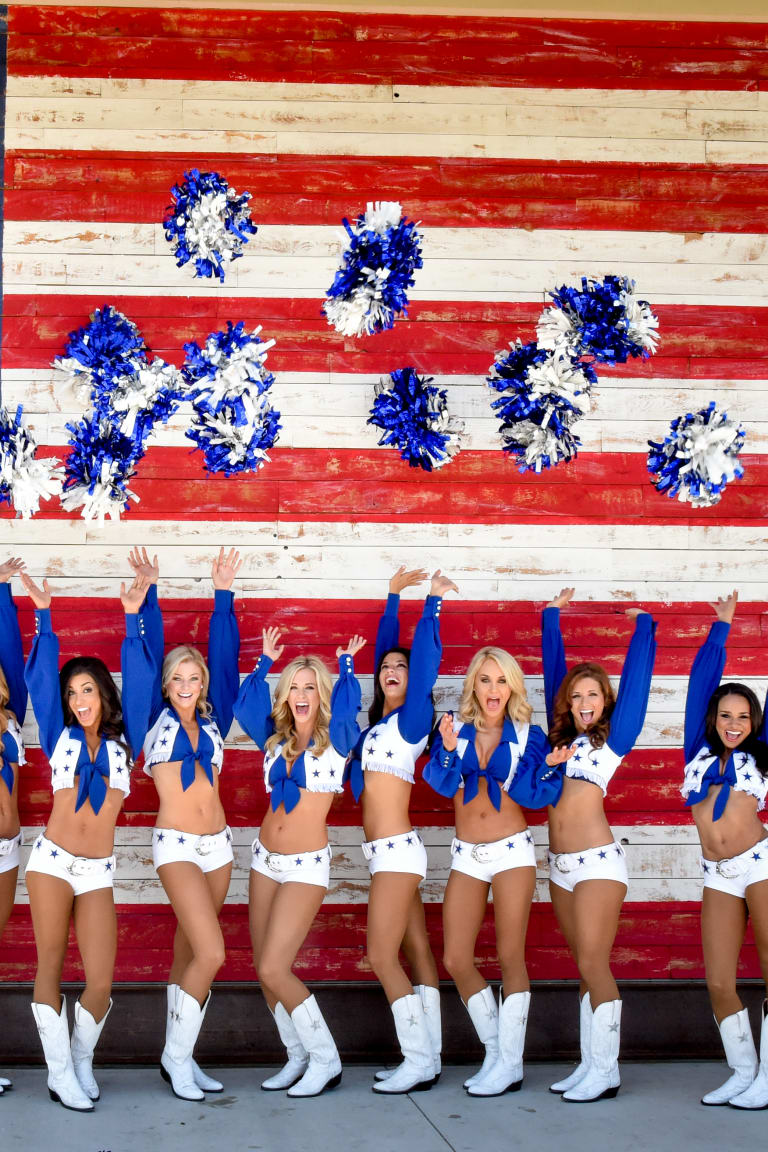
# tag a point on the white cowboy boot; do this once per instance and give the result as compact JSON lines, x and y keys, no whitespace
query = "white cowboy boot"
{"x":54,"y":1036}
{"x":756,"y":1096}
{"x":602,"y":1079}
{"x":176,"y":1060}
{"x":324,"y":1068}
{"x":298,"y":1060}
{"x":506,"y":1073}
{"x":430,"y":1000}
{"x":85,"y":1037}
{"x":5,"y":1084}
{"x":202,"y":1079}
{"x":740,"y":1056}
{"x":417,"y":1071}
{"x":485,"y":1016}
{"x":585,"y":1031}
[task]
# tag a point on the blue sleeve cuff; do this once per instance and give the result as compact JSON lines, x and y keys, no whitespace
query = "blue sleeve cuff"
{"x":134,"y":625}
{"x":433,"y":605}
{"x":43,"y":626}
{"x":346,"y":664}
{"x":223,"y":600}
{"x":263,"y":664}
{"x":393,"y":604}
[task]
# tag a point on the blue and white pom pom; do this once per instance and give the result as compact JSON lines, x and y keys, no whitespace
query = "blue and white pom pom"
{"x":110,"y":345}
{"x":603,"y":319}
{"x":234,"y":421}
{"x":139,"y":400}
{"x":208,"y":223}
{"x":698,"y":457}
{"x":413,"y":415}
{"x":371,"y":287}
{"x":24,"y":480}
{"x":98,"y":469}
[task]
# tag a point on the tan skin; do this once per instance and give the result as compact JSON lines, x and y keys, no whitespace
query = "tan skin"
{"x":9,"y":801}
{"x":724,"y":917}
{"x":395,"y":910}
{"x":478,"y":822}
{"x":84,"y":833}
{"x":281,"y":915}
{"x":588,"y":916}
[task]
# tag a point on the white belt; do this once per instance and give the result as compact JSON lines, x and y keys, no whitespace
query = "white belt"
{"x":204,"y":845}
{"x":570,"y":861}
{"x":7,"y":846}
{"x":85,"y":866}
{"x":486,"y":853}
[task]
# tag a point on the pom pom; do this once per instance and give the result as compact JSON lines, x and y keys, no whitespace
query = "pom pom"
{"x":95,"y":355}
{"x":234,"y":423}
{"x":698,"y":457}
{"x":98,"y":469}
{"x":370,"y":287}
{"x":24,"y":480}
{"x":604,"y":320}
{"x":413,"y":414}
{"x":208,"y":223}
{"x":139,"y":400}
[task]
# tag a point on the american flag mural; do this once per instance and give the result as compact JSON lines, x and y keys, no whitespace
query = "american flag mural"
{"x":532,"y":151}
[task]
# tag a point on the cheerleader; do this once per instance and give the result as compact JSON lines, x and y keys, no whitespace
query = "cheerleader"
{"x":381,"y":771}
{"x":726,"y":781}
{"x":71,"y":868}
{"x":13,"y":706}
{"x":181,"y":709}
{"x":306,"y":736}
{"x":490,"y":761}
{"x":587,"y":869}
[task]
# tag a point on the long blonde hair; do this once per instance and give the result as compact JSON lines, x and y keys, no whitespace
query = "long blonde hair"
{"x":518,"y":706}
{"x":5,"y":696}
{"x":285,"y":730}
{"x":177,"y":656}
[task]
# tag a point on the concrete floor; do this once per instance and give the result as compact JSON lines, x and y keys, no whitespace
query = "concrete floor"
{"x":657,"y":1109}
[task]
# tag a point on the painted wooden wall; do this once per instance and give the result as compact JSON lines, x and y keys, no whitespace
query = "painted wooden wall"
{"x":532,"y":151}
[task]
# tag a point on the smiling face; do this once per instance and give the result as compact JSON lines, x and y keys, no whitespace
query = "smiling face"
{"x":393,"y":679}
{"x":185,"y":685}
{"x":304,"y":698}
{"x":733,"y":722}
{"x":84,"y":700}
{"x":587,"y":702}
{"x":492,"y":691}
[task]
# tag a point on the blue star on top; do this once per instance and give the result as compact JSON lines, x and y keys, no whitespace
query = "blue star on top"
{"x":577,"y":758}
{"x":316,"y":772}
{"x":69,"y":752}
{"x":166,"y":728}
{"x":747,"y":775}
{"x":331,"y":772}
{"x":389,"y":755}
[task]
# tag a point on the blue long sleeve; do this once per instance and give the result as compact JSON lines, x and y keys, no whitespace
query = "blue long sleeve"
{"x":142,"y":694}
{"x":223,"y":655}
{"x":415,"y":717}
{"x":42,"y":679}
{"x":388,"y":634}
{"x":553,"y":657}
{"x":153,"y":632}
{"x":634,"y":687}
{"x":706,"y":674}
{"x":443,"y":771}
{"x":253,"y":706}
{"x":12,"y":654}
{"x":345,"y":705}
{"x":535,"y":784}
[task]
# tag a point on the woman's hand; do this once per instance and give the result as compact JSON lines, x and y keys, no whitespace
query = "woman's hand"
{"x":225,"y":568}
{"x":141,"y":565}
{"x":352,"y":649}
{"x":406,"y":579}
{"x":559,"y":755}
{"x":40,"y":597}
{"x":725,"y":608}
{"x":441,"y":584}
{"x":133,"y":599}
{"x":633,"y":613}
{"x":447,"y":734}
{"x":564,"y":596}
{"x":272,"y":647}
{"x":13,"y":566}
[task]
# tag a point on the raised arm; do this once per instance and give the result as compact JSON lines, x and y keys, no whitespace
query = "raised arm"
{"x":553,"y":649}
{"x":253,"y":706}
{"x":706,"y":674}
{"x":11,"y":652}
{"x":149,"y":571}
{"x":415,"y":719}
{"x":224,"y":641}
{"x":388,"y":634}
{"x":142,"y":695}
{"x":346,"y":699}
{"x":635,"y":684}
{"x":42,"y":670}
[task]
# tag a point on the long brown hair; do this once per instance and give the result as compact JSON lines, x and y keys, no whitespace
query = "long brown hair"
{"x":563,"y":728}
{"x":111,"y":723}
{"x":5,"y":697}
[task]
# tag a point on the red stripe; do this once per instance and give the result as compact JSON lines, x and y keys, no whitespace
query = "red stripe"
{"x":437,"y":191}
{"x":342,"y":48}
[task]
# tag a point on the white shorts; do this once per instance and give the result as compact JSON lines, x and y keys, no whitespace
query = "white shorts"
{"x":606,"y":862}
{"x":292,"y":868}
{"x":735,"y":874}
{"x":9,"y":852}
{"x":403,"y":853}
{"x":483,"y":861}
{"x":169,"y":846}
{"x":82,"y":873}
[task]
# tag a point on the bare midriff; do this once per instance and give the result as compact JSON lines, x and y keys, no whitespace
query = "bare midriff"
{"x":9,"y":807}
{"x":479,"y":823}
{"x":84,"y":833}
{"x":578,"y":821}
{"x":197,"y":810}
{"x":738,"y":829}
{"x":303,"y":829}
{"x":386,"y":800}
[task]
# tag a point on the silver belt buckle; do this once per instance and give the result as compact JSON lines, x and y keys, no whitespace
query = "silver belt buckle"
{"x":7,"y":845}
{"x":480,"y":853}
{"x":204,"y":845}
{"x":274,"y":862}
{"x":561,"y":862}
{"x":728,"y":868}
{"x":80,"y":866}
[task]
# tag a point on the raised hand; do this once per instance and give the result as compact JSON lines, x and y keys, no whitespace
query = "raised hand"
{"x":141,"y":565}
{"x":441,"y":584}
{"x":725,"y":608}
{"x":13,"y":566}
{"x":272,"y":647}
{"x":633,"y":613}
{"x":40,"y":597}
{"x":559,"y":755}
{"x":447,"y":734}
{"x":564,"y":596}
{"x":225,"y":568}
{"x":133,"y":598}
{"x":405,"y":578}
{"x":353,"y":647}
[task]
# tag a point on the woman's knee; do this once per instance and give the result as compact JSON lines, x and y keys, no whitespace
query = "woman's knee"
{"x":458,"y":961}
{"x":212,"y":956}
{"x":382,"y":956}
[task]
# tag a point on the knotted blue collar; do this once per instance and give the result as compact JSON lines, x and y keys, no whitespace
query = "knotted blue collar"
{"x":183,"y":750}
{"x":495,"y":771}
{"x":93,"y":774}
{"x":713,"y":775}
{"x":286,"y":787}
